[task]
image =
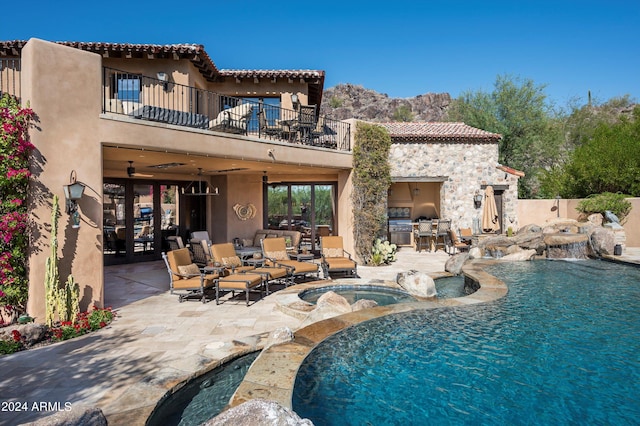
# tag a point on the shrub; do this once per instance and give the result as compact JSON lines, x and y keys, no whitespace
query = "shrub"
{"x":14,"y":181}
{"x":615,"y":203}
{"x":84,"y":323}
{"x":383,"y":252}
{"x":371,"y":180}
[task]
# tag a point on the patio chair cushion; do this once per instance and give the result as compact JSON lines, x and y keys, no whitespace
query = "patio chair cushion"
{"x":337,"y":263}
{"x":277,"y":255}
{"x":190,"y":269}
{"x":231,"y":262}
{"x":333,"y":252}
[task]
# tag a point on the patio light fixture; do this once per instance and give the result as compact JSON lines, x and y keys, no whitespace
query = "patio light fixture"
{"x":72,"y":193}
{"x":477,"y":199}
{"x":199,"y":187}
{"x":164,"y":78}
{"x":416,"y":191}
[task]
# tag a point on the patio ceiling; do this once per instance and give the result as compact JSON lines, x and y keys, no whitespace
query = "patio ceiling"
{"x":182,"y":166}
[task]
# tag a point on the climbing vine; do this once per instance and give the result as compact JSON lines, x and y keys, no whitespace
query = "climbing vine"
{"x":371,"y":180}
{"x":14,"y":180}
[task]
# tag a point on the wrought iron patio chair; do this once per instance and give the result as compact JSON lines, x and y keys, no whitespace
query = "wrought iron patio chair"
{"x":424,"y":233}
{"x":442,"y":237}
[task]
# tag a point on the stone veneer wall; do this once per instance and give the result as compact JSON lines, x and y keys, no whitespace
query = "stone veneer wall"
{"x":464,"y":167}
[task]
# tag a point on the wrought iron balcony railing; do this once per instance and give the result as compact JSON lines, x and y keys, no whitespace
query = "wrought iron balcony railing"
{"x":157,"y":99}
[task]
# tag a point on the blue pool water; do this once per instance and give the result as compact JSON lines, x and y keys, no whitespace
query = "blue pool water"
{"x":563,"y":347}
{"x":203,"y":397}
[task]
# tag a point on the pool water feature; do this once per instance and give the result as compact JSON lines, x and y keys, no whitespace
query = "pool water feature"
{"x":204,"y":397}
{"x":561,"y":348}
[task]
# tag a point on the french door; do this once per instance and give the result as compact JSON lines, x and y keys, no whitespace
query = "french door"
{"x":138,"y":217}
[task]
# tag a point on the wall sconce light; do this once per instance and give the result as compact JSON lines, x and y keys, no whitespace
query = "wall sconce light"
{"x":294,"y":100}
{"x":164,"y":78}
{"x":72,"y":193}
{"x":477,"y":200}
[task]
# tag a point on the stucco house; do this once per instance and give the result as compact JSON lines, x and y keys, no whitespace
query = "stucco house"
{"x":161,"y":139}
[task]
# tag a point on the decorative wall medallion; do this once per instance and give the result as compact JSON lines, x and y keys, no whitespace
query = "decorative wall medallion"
{"x":245,"y":211}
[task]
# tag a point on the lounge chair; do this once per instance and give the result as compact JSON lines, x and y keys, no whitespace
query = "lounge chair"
{"x":225,"y":255}
{"x":275,"y":252}
{"x":175,"y":242}
{"x":200,"y":252}
{"x":233,"y":120}
{"x":335,"y":258}
{"x":186,"y":279}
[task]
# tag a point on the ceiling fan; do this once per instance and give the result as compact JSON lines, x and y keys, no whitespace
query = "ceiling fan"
{"x":131,"y":171}
{"x":235,"y":169}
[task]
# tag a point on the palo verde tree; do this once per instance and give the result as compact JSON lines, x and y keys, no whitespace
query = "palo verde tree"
{"x":516,"y":109}
{"x":371,"y":180}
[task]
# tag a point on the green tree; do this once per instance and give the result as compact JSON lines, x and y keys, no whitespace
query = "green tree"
{"x":403,"y":113}
{"x":531,"y":131}
{"x":607,"y":161}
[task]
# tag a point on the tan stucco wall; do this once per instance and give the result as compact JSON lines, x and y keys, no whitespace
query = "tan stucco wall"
{"x":539,"y":212}
{"x":63,"y":87}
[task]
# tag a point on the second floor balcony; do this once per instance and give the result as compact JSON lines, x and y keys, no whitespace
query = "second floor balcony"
{"x":157,"y":99}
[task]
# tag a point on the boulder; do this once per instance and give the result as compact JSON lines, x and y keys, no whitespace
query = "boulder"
{"x":513,"y":249}
{"x":32,"y":333}
{"x":258,"y":412}
{"x":454,"y":263}
{"x":279,"y":336}
{"x":328,"y":306}
{"x":476,"y":253}
{"x":602,"y":241}
{"x":520,"y":255}
{"x":363,"y":304}
{"x":333,"y":301}
{"x":527,"y":229}
{"x":596,"y":219}
{"x":76,"y":415}
{"x":417,"y":283}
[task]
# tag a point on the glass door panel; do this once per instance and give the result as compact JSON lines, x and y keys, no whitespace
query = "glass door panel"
{"x":324,"y":211}
{"x":114,"y":221}
{"x":143,"y":223}
{"x":278,"y":207}
{"x":169,"y":196}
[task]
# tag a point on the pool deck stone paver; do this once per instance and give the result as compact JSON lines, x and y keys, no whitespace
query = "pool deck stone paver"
{"x":157,"y":343}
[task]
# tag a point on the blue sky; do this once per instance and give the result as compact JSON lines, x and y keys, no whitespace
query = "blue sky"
{"x":401,"y":48}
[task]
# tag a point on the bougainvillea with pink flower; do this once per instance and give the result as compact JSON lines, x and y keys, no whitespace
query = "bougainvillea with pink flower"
{"x":14,"y":181}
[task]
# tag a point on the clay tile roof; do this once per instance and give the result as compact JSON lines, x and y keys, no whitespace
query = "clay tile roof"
{"x":273,"y":73}
{"x":438,"y":132}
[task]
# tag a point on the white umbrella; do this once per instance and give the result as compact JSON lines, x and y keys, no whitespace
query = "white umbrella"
{"x":490,"y":222}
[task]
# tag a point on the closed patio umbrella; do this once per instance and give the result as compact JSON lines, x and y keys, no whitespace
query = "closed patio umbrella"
{"x":490,"y":222}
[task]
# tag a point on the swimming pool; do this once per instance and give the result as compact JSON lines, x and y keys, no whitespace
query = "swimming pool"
{"x":561,"y":348}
